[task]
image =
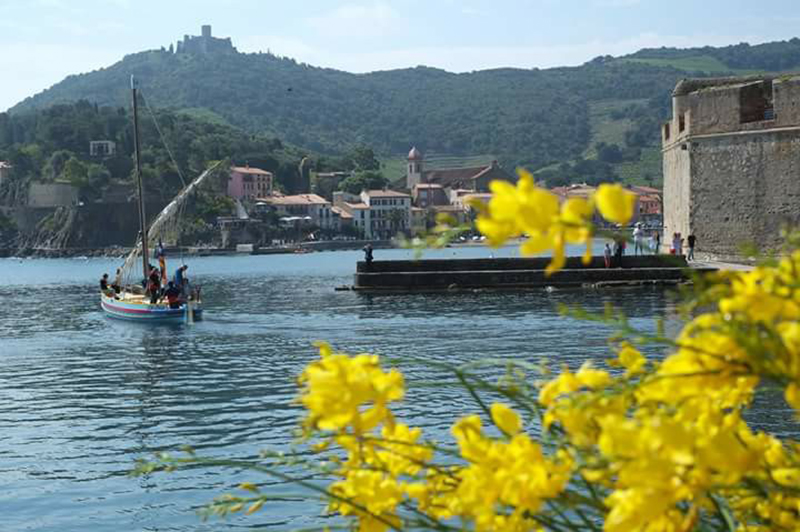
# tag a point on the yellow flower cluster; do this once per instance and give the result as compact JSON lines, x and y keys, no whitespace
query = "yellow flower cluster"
{"x":536,"y":213}
{"x":645,"y":445}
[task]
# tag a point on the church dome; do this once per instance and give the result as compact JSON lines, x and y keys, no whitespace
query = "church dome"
{"x":414,"y":154}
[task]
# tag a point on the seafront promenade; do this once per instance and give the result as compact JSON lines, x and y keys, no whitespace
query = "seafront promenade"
{"x":198,"y":251}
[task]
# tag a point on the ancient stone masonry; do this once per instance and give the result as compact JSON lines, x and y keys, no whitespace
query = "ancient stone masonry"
{"x":204,"y":43}
{"x":732,"y":162}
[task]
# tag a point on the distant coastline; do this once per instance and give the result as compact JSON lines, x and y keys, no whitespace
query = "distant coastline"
{"x":197,"y":251}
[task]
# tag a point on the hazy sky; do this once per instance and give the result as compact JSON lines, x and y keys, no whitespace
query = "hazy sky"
{"x":42,"y":41}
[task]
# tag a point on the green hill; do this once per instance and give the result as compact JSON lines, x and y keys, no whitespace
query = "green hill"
{"x":607,"y":110}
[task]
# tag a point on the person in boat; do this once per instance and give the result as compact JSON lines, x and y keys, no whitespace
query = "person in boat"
{"x":154,"y":285}
{"x":104,"y":283}
{"x":117,"y":286}
{"x":173,"y":295}
{"x":180,"y":280}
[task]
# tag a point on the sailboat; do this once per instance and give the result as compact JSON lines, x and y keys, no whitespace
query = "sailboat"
{"x":132,"y":302}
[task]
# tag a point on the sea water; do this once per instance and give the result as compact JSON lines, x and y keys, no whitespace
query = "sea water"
{"x":82,"y":396}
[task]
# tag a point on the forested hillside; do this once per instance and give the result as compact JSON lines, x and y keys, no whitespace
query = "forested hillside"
{"x":597,"y":121}
{"x":53,"y":145}
{"x":772,"y":56}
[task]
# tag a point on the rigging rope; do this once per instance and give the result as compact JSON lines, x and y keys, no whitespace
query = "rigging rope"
{"x":164,"y":140}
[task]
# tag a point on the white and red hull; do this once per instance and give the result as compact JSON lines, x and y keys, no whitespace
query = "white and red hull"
{"x":137,"y":308}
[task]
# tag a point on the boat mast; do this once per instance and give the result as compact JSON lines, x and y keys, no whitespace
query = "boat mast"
{"x":142,"y":219}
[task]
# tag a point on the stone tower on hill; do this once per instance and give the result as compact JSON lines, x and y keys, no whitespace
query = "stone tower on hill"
{"x":732,"y":162}
{"x":204,"y":43}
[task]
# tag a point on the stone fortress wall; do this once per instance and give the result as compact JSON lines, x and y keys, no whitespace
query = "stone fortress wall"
{"x":732,"y":162}
{"x":204,"y":43}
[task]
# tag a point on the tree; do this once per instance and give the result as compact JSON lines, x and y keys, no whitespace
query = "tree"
{"x":397,"y":220}
{"x":363,"y":181}
{"x":362,"y":158}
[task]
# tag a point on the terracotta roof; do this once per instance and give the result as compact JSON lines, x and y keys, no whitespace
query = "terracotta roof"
{"x":386,"y":194}
{"x":448,"y":208}
{"x":450,"y":176}
{"x":249,"y":170}
{"x":461,"y":177}
{"x":341,"y":212}
{"x":482,"y":196}
{"x":645,"y":191}
{"x":414,"y":154}
{"x":298,"y":199}
{"x":649,"y":197}
{"x":574,"y":190}
{"x":357,"y":205}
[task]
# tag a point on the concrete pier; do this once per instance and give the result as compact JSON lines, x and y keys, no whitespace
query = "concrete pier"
{"x":515,"y":274}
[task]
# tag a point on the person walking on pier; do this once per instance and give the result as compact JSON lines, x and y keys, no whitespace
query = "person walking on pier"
{"x":691,"y":240}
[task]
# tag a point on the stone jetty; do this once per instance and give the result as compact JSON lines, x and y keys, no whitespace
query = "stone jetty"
{"x":517,"y":273}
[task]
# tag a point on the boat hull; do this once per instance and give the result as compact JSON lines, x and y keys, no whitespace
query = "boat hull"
{"x":144,"y":312}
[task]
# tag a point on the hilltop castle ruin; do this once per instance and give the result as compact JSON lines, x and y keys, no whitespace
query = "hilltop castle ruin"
{"x":731,"y":162}
{"x":204,"y":43}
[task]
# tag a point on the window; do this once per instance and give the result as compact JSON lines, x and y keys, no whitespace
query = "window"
{"x":756,"y":102}
{"x":682,"y":123}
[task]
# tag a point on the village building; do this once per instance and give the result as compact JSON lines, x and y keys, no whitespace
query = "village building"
{"x":731,"y":153}
{"x":376,"y":214}
{"x":308,"y":209}
{"x":390,"y":212}
{"x":420,"y":220}
{"x":648,"y":206}
{"x":343,"y":220}
{"x":102,"y":148}
{"x":646,"y":210}
{"x":426,"y":195}
{"x":358,"y":211}
{"x":475,"y":178}
{"x":249,"y":183}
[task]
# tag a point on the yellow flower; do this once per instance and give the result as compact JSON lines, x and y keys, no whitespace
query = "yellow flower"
{"x":341,"y":391}
{"x":789,"y":477}
{"x":615,"y":203}
{"x":565,"y":383}
{"x":594,"y":379}
{"x":506,"y":419}
{"x":792,"y":395}
{"x":631,"y":359}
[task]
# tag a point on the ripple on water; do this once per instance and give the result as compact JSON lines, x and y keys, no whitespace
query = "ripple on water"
{"x":82,"y":396}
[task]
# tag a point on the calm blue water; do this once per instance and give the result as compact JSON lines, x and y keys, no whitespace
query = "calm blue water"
{"x":82,"y":396}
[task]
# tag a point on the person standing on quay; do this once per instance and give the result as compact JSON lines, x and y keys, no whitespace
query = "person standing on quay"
{"x":691,"y":240}
{"x":368,"y":255}
{"x":638,"y":239}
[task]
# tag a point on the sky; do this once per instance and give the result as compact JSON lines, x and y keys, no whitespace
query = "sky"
{"x":43,"y":41}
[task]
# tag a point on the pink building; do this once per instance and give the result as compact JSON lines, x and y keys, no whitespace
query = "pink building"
{"x":249,"y":183}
